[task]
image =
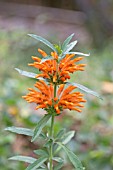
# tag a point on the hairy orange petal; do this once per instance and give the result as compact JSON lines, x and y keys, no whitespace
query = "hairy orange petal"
{"x":43,"y":53}
{"x":36,"y":58}
{"x":51,"y":91}
{"x":68,"y":90}
{"x":60,"y":89}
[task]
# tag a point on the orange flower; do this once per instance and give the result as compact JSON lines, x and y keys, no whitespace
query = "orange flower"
{"x":44,"y":98}
{"x":68,"y":100}
{"x":67,"y":65}
{"x":48,"y":68}
{"x":55,"y":70}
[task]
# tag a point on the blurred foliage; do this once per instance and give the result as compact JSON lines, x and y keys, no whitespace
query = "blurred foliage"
{"x":93,"y":142}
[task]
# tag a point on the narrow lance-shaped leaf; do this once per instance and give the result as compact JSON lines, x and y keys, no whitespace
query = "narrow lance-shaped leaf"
{"x":41,"y":152}
{"x":85,"y":89}
{"x":43,"y":40}
{"x":25,"y":73}
{"x":64,"y":140}
{"x":73,"y":158}
{"x":36,"y":164}
{"x":67,"y":137}
{"x":39,"y":126}
{"x":29,"y":74}
{"x":66,"y":42}
{"x":19,"y":130}
{"x":70,"y":47}
{"x":23,"y":159}
{"x":60,"y":133}
{"x":78,"y":53}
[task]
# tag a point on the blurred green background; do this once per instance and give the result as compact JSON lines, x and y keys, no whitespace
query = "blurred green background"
{"x":92,"y":23}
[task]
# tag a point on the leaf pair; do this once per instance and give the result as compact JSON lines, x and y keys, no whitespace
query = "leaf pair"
{"x":73,"y":158}
{"x":81,"y":87}
{"x":66,"y":46}
{"x":66,"y":137}
{"x":29,"y":132}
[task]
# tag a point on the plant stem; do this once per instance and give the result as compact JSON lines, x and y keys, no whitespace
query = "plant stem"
{"x":51,"y":147}
{"x":51,"y":133}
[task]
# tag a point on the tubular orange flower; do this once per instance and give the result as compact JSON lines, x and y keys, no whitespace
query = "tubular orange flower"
{"x":67,"y":65}
{"x":53,"y":97}
{"x":69,"y":100}
{"x":55,"y":70}
{"x":44,"y":98}
{"x":43,"y":53}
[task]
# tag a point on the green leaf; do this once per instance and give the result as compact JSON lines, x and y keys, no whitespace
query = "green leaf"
{"x":29,"y":74}
{"x":41,"y":152}
{"x":64,"y":140}
{"x":58,"y":166}
{"x":43,"y":40}
{"x":73,"y":158}
{"x":78,"y":53}
{"x":70,"y":47}
{"x":58,"y":159}
{"x":67,"y":137}
{"x":25,"y":73}
{"x":60,"y":133}
{"x":23,"y":159}
{"x":36,"y":164}
{"x":39,"y":126}
{"x":85,"y":89}
{"x":66,"y":42}
{"x":19,"y":130}
{"x":46,"y":59}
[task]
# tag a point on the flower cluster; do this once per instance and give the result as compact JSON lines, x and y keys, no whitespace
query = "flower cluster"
{"x":54,"y":96}
{"x":64,"y":99}
{"x":55,"y":70}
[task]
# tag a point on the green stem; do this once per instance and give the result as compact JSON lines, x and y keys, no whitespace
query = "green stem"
{"x":51,"y":147}
{"x":51,"y":134}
